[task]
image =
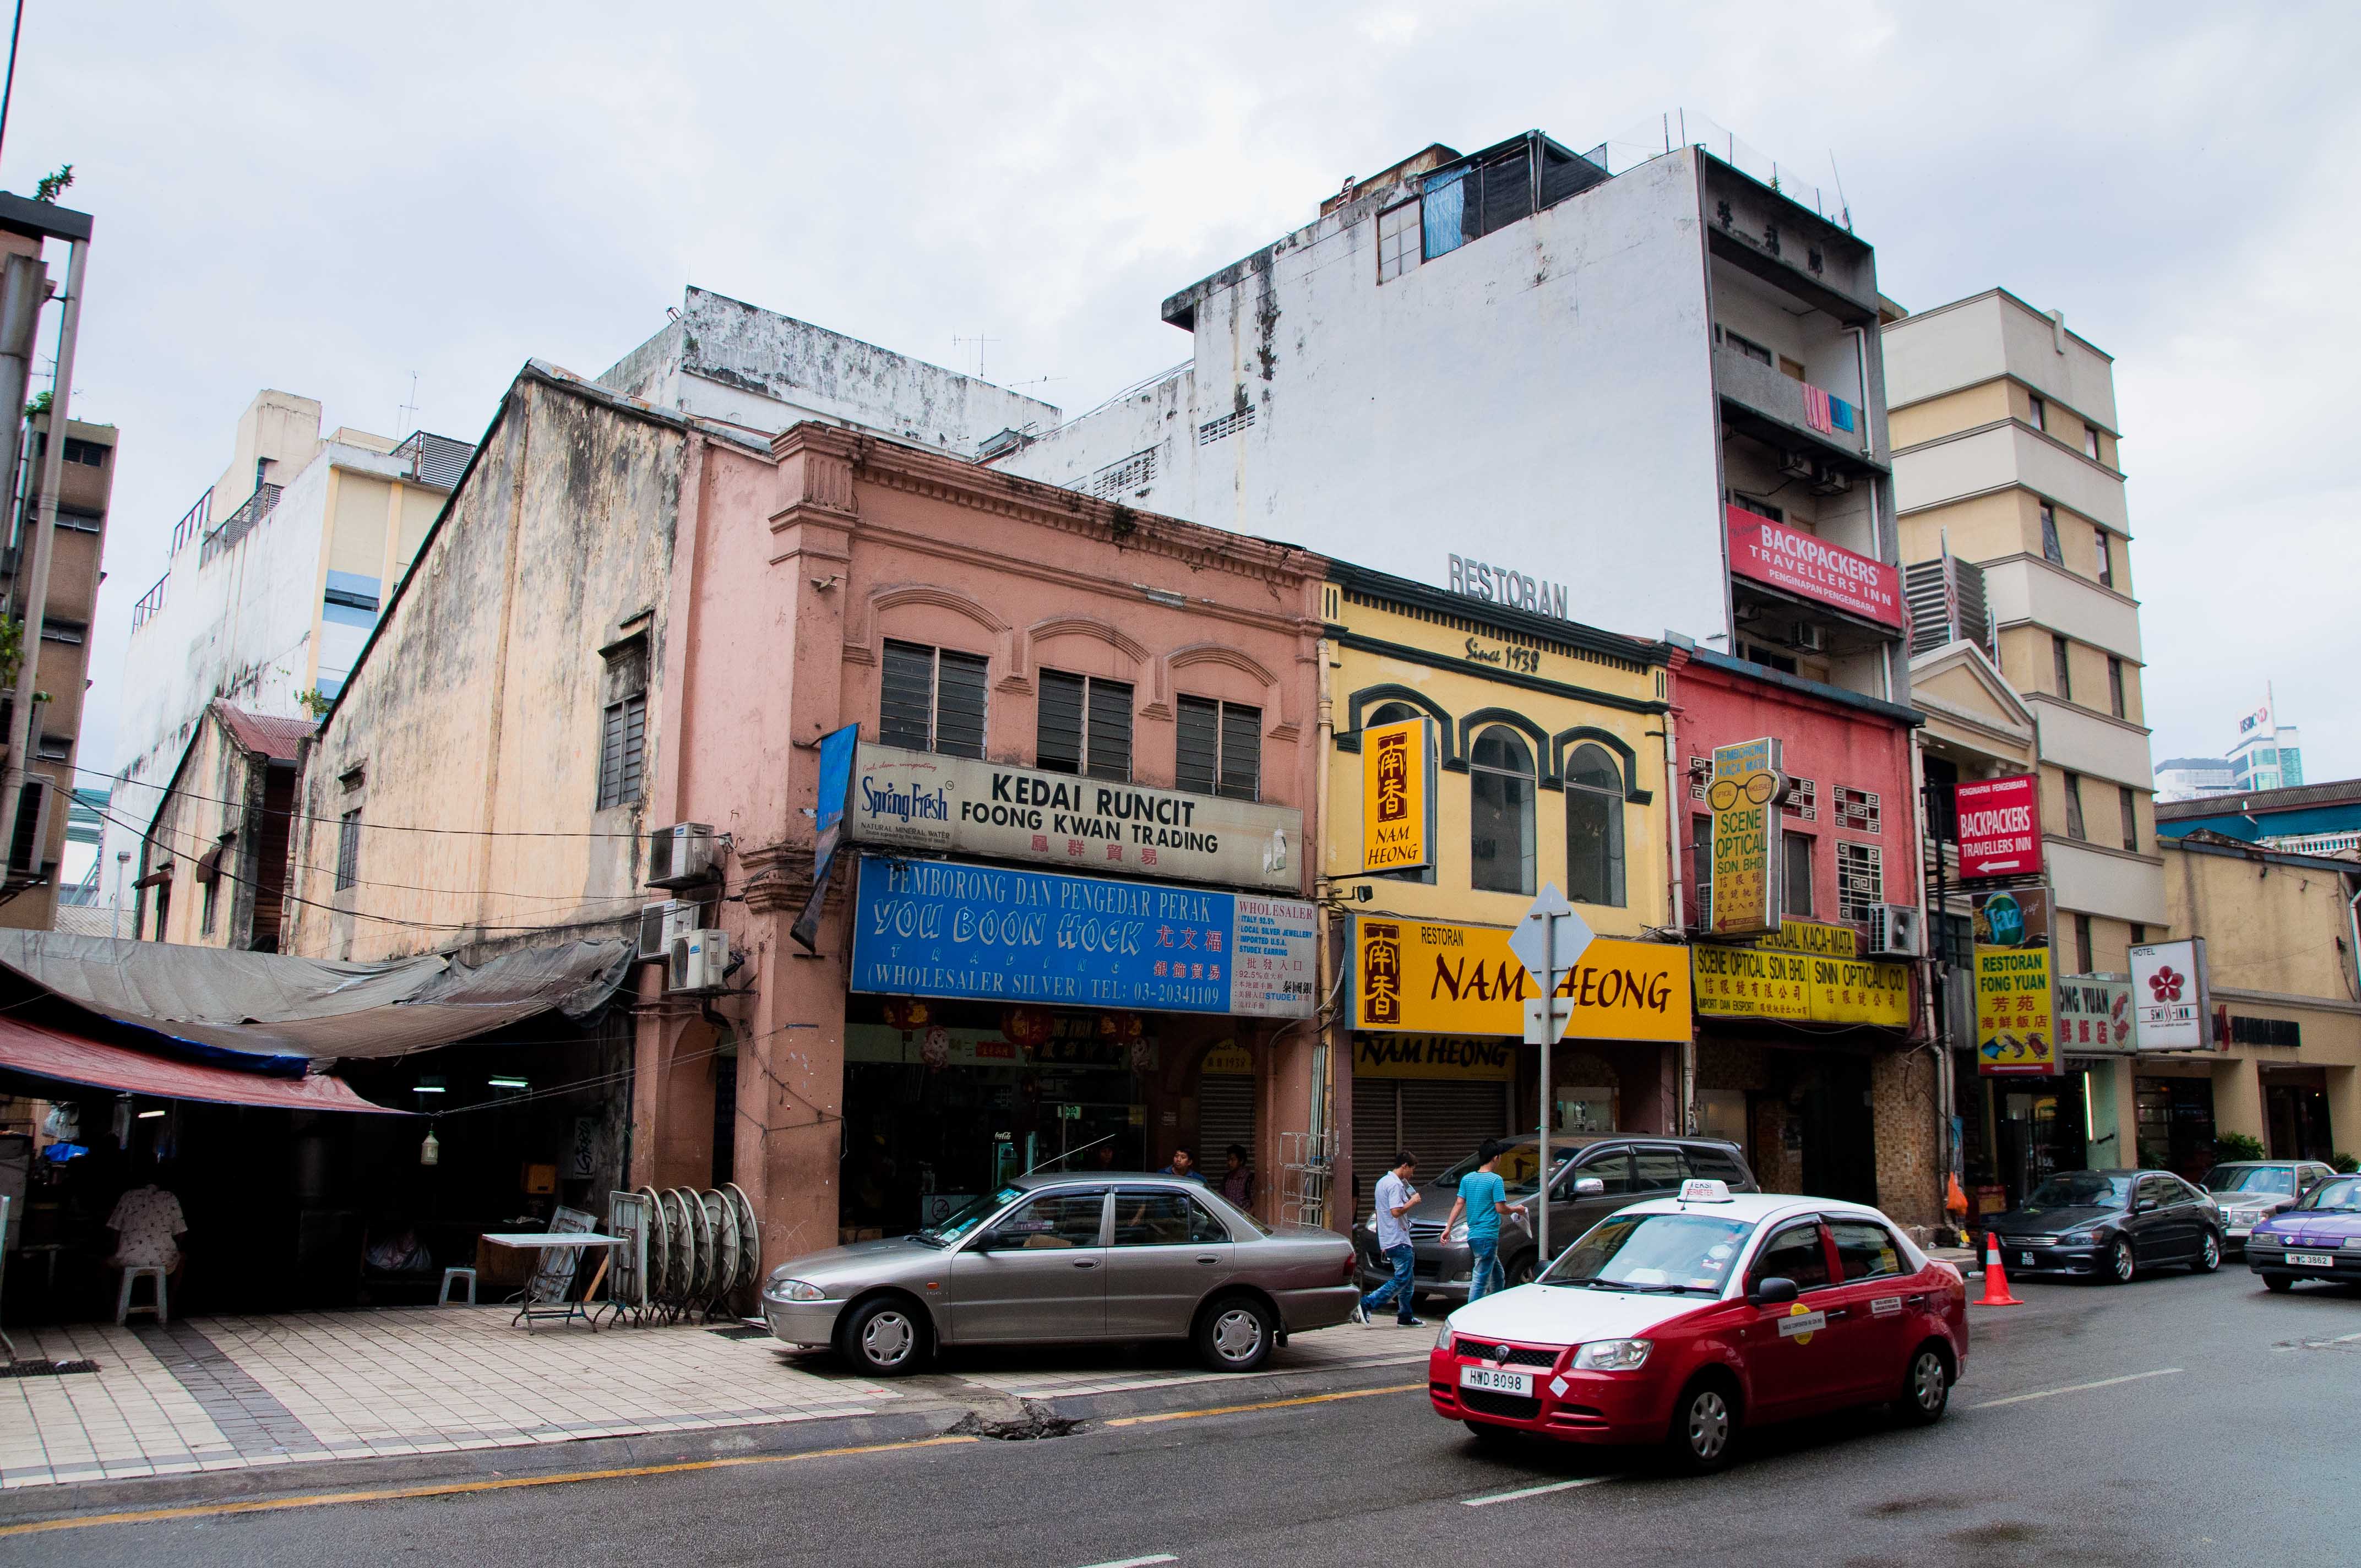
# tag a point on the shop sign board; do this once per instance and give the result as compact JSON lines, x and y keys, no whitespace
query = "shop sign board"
{"x":1810,"y":567}
{"x":1398,"y":796}
{"x":2172,"y":997}
{"x":1814,"y":937}
{"x":1768,"y":983}
{"x":2016,"y":1024}
{"x":1227,"y":1060}
{"x":1999,"y":827}
{"x":1490,"y":1060}
{"x":1744,"y":794}
{"x":1433,"y":977}
{"x":2095,"y":1013}
{"x":998,"y":934}
{"x":920,"y":800}
{"x":939,"y":1045}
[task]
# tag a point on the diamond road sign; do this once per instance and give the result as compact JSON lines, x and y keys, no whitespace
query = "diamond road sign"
{"x":1549,"y":937}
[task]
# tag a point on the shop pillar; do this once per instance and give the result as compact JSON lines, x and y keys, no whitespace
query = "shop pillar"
{"x":1283,"y":1091}
{"x":1902,"y":1111}
{"x":2238,"y":1100}
{"x":2114,"y":1114}
{"x":2344,"y":1109}
{"x":790,"y":1089}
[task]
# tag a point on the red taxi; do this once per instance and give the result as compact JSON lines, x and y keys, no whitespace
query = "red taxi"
{"x":1682,"y":1320}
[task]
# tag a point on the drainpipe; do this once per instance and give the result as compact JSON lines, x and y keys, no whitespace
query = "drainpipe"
{"x":1323,"y":955}
{"x":2352,"y":930}
{"x":1676,"y":819}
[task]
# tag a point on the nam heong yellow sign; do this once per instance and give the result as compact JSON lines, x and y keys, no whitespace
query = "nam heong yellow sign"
{"x":1431,"y":977}
{"x":1398,"y":796}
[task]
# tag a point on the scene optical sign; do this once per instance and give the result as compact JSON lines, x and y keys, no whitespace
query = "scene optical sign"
{"x":920,"y":800}
{"x":1398,"y":796}
{"x":1430,"y":976}
{"x":1811,"y":568}
{"x":995,"y":934}
{"x":1744,"y":794}
{"x":2000,"y":827}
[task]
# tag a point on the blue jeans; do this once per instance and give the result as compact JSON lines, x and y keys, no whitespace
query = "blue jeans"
{"x":1397,"y":1290}
{"x":1484,"y":1276}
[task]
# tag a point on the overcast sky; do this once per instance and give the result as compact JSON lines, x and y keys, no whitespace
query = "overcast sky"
{"x":325,"y":202}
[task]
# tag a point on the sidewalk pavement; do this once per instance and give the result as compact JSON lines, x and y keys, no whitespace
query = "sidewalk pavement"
{"x":238,"y":1393}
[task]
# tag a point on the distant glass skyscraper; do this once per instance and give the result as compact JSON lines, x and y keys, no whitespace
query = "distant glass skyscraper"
{"x":2269,"y":754}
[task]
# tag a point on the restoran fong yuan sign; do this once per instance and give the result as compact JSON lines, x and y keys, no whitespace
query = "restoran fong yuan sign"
{"x":921,"y":800}
{"x":1811,"y":568}
{"x":1999,"y":827}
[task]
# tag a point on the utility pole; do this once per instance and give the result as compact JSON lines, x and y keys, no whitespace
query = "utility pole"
{"x":40,"y":220}
{"x":1549,"y":941}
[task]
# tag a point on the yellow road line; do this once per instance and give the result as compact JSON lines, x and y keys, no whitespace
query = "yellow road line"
{"x":452,"y":1488}
{"x":1265,"y":1405}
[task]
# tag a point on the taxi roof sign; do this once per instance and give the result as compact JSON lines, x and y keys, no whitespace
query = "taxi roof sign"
{"x":1699,"y":1191}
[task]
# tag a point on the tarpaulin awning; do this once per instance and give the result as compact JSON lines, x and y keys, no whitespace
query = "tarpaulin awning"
{"x":46,"y":1053}
{"x":277,"y":1004}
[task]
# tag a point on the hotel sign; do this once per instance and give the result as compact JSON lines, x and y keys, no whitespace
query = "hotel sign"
{"x":2172,"y":997}
{"x":1999,"y":827}
{"x":1809,"y":567}
{"x":919,"y":800}
{"x":1433,"y":977}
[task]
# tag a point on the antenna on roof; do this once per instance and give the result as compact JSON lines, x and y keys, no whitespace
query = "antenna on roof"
{"x":408,"y":412}
{"x":959,"y":342}
{"x":1844,"y":207}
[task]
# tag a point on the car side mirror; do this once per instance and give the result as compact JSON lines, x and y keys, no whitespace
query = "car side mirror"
{"x":2142,"y":1205}
{"x":987,"y":1241}
{"x":1772,"y":1292}
{"x":1589,"y":1187}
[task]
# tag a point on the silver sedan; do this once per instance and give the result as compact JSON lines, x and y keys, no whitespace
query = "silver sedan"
{"x":1048,"y":1260}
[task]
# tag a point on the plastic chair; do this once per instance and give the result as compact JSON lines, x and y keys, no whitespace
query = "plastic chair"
{"x":453,"y":1276}
{"x":159,"y":1306}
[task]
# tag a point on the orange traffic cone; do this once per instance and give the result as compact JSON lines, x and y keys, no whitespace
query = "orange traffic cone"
{"x":1996,"y":1277}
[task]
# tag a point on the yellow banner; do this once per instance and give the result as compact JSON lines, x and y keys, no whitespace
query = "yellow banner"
{"x":1813,"y":936}
{"x":2015,"y":1029}
{"x":1748,"y":982}
{"x":1744,"y":796}
{"x":1430,"y":1056}
{"x":1431,"y":977}
{"x":1396,"y":793}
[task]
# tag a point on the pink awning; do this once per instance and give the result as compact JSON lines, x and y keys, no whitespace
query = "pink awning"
{"x":46,"y":1053}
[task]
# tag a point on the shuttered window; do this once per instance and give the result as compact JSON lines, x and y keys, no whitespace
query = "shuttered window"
{"x":932,"y":699}
{"x":1226,"y":1115}
{"x":1084,"y":726}
{"x":1220,"y":747}
{"x":348,"y":848}
{"x":622,"y":751}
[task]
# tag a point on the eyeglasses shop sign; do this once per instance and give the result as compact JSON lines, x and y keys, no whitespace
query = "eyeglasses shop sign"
{"x":918,"y":800}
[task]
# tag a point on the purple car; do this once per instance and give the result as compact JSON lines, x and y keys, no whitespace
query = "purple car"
{"x":2320,"y":1238}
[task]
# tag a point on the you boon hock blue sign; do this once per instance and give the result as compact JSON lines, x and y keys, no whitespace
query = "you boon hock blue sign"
{"x":941,"y":928}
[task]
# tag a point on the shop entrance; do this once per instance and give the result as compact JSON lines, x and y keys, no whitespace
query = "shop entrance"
{"x":2176,"y":1124}
{"x":2295,"y":1118}
{"x":2040,"y":1133}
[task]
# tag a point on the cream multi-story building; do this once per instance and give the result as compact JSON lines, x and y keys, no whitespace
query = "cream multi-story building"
{"x":2005,"y":458}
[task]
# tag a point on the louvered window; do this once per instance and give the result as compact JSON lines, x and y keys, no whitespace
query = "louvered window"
{"x":1084,"y":726}
{"x":348,"y":852}
{"x":622,"y":751}
{"x":1219,"y":749}
{"x":932,"y":699}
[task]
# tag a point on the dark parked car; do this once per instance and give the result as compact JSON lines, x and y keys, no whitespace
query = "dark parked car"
{"x":2320,"y":1238}
{"x":1626,"y":1166}
{"x":2250,"y":1191}
{"x":2109,"y":1225}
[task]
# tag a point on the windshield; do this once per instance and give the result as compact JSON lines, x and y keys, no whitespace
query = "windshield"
{"x":2341,"y":1196}
{"x":2277,"y":1179}
{"x":1653,"y":1252}
{"x":2083,"y":1189}
{"x":969,"y":1218}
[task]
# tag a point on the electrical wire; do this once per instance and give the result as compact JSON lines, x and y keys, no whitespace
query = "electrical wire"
{"x":372,"y":826}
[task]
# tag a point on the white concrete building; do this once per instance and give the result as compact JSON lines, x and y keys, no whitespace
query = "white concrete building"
{"x":1646,"y":398}
{"x":2005,"y":457}
{"x":2193,"y":778}
{"x":275,"y":581}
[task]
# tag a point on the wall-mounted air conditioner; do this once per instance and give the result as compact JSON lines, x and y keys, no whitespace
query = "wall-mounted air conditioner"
{"x":698,"y":962}
{"x":1807,"y":636}
{"x":661,"y":923}
{"x":1897,"y":931}
{"x":681,"y":854}
{"x":29,"y":844}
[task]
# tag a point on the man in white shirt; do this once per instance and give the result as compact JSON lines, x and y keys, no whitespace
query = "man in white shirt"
{"x":1396,"y":1198}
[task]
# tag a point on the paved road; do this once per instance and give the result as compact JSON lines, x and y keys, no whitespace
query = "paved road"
{"x":2227,"y":1441}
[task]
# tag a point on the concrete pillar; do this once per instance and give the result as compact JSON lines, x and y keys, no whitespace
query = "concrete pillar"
{"x":791,"y":1090}
{"x":2115,"y":1114}
{"x":2344,"y":1110}
{"x":1902,"y":1122}
{"x":2238,"y":1099}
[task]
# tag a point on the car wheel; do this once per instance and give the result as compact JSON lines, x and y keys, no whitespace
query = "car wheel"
{"x":1521,"y":1271}
{"x":1235,"y":1334}
{"x":2121,"y":1264}
{"x":2209,"y":1255}
{"x":1486,"y":1435}
{"x":1705,"y":1427}
{"x":1926,"y":1389}
{"x":883,"y":1338}
{"x":2278,"y":1284}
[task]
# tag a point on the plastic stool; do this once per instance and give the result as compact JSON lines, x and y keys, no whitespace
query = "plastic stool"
{"x":456,"y":1275}
{"x":123,"y":1306}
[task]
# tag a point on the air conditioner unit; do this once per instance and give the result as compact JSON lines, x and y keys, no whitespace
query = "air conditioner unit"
{"x":1831,"y":482}
{"x":661,"y":923}
{"x":1897,"y":931}
{"x":681,"y":854}
{"x":697,"y":961}
{"x":29,"y":844}
{"x":1795,"y":465}
{"x":1807,"y":636}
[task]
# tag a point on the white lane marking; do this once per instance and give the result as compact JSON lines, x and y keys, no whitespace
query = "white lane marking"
{"x":1134,"y":1561}
{"x":2077,"y":1388}
{"x":1488,"y":1499}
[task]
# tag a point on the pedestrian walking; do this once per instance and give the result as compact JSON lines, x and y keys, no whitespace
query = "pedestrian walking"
{"x":1396,"y":1199}
{"x":1484,"y":1200}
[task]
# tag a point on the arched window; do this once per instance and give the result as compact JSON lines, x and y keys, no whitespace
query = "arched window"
{"x":1390,"y":713}
{"x":1500,"y":812}
{"x":1594,"y":828}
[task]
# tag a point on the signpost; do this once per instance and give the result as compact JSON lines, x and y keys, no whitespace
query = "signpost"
{"x":1548,"y":941}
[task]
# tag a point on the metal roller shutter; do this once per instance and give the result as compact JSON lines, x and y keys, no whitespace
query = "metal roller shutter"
{"x":1226,"y":1115}
{"x":1443,"y":1123}
{"x":1375,"y":1138}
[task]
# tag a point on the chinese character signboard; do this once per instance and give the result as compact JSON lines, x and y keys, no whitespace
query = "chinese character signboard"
{"x":1812,"y":569}
{"x":2015,"y":1030}
{"x":1767,"y":982}
{"x":941,"y":928}
{"x":2095,"y":1013}
{"x":2172,"y":997}
{"x":921,"y":800}
{"x":1436,"y":978}
{"x":1430,"y":1056}
{"x":1398,"y":796}
{"x":1745,"y":792}
{"x":2000,"y":827}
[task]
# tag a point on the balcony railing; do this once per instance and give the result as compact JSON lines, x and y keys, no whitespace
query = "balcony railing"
{"x":1793,"y":405}
{"x":257,"y":506}
{"x":193,"y":524}
{"x":149,"y":602}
